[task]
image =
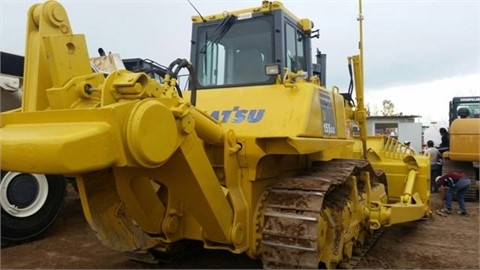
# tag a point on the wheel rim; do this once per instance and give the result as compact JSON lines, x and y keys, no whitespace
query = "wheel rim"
{"x":23,"y":194}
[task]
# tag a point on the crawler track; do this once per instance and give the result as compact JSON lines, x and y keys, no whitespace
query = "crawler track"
{"x":356,"y":259}
{"x":293,"y":213}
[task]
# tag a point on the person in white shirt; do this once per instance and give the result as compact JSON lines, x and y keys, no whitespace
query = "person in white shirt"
{"x":436,"y":162}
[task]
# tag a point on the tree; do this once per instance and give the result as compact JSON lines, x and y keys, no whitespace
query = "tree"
{"x":367,"y":109}
{"x":388,"y":107}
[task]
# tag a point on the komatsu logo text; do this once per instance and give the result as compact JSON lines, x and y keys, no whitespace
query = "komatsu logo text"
{"x":238,"y":115}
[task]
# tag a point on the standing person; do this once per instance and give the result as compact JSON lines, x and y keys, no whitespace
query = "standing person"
{"x":445,"y":144}
{"x":457,"y":183}
{"x":435,"y":164}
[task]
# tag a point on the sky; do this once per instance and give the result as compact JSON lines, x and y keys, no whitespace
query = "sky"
{"x":418,"y":54}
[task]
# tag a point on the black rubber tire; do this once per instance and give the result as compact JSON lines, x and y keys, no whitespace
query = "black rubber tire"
{"x":21,"y":229}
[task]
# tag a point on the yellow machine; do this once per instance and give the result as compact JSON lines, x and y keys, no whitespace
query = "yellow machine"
{"x":463,"y":154}
{"x":258,"y":157}
{"x":30,"y":203}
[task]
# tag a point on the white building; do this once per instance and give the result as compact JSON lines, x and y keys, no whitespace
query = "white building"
{"x":401,"y":127}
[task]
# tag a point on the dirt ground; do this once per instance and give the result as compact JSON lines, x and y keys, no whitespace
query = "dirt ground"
{"x":449,"y":242}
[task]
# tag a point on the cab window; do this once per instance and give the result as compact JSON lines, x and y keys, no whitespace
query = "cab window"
{"x":294,"y":49}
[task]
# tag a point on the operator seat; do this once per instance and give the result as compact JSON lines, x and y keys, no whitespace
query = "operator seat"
{"x":249,"y":67}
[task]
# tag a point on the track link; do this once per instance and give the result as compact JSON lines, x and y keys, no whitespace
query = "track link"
{"x":357,"y":258}
{"x":292,"y":213}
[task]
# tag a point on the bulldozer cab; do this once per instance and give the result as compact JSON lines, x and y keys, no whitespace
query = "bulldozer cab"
{"x":464,"y":129}
{"x":234,"y":49}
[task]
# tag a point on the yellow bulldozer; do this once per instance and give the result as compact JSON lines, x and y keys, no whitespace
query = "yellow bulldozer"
{"x":257,"y":157}
{"x":463,"y":152}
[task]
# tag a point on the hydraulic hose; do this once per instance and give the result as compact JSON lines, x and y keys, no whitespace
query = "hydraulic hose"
{"x":162,"y":74}
{"x":184,"y":63}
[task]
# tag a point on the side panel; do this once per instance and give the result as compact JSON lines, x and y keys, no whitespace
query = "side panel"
{"x":276,"y":111}
{"x":464,"y":140}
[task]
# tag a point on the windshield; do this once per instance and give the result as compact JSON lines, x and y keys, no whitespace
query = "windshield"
{"x":468,"y":110}
{"x":237,"y":56}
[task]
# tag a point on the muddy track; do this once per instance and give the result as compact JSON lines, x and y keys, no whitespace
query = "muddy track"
{"x":294,"y":210}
